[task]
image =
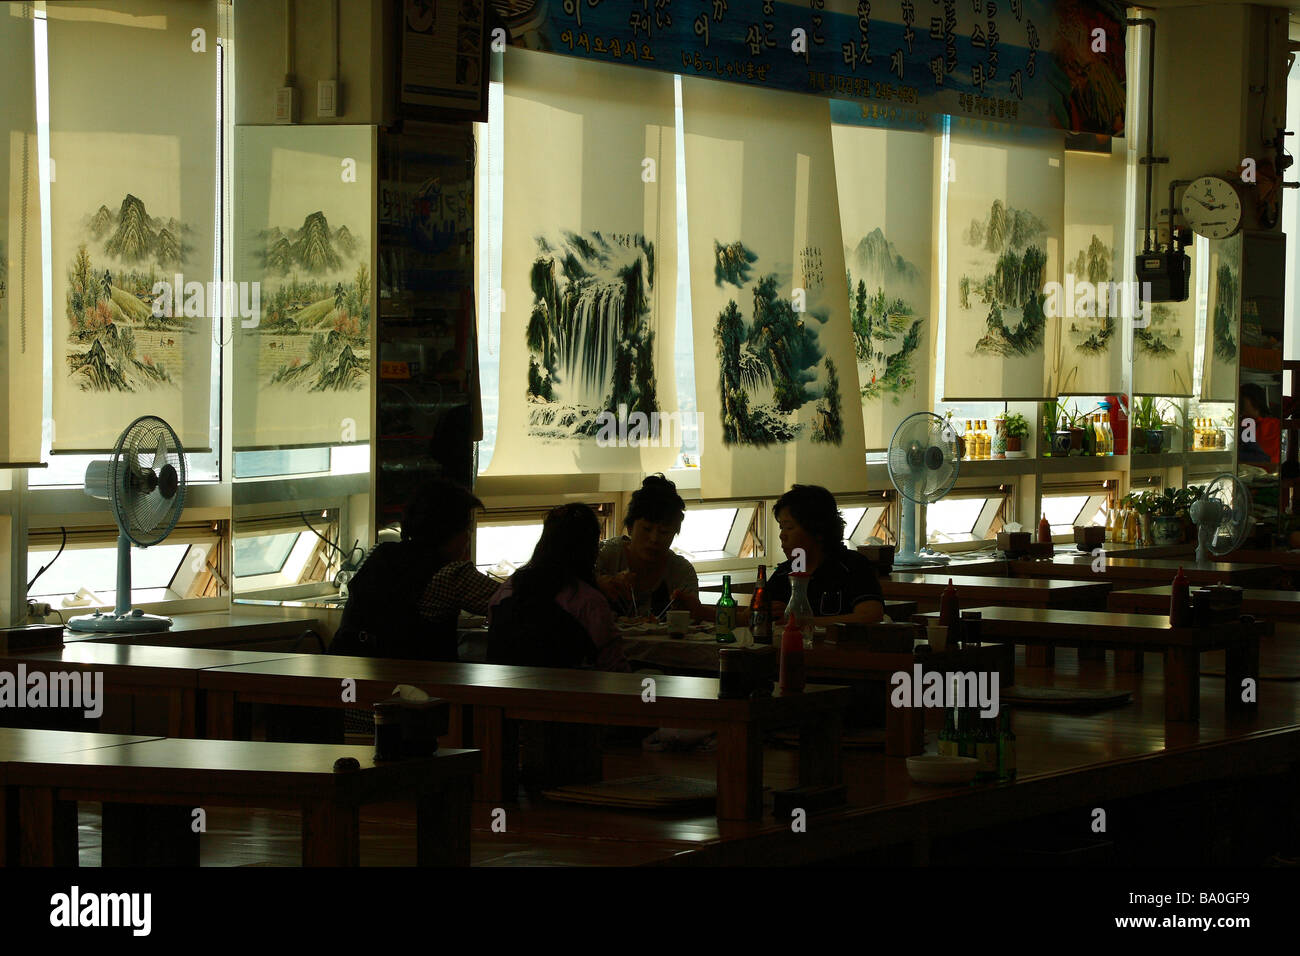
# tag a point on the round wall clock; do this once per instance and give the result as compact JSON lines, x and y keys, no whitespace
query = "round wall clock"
{"x":1212,"y":207}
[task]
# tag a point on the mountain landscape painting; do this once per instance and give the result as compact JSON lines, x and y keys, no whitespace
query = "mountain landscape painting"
{"x":314,"y":331}
{"x":590,"y":333}
{"x":115,"y":343}
{"x":1223,"y":335}
{"x":1005,"y":281}
{"x":885,"y":294}
{"x":770,"y":361}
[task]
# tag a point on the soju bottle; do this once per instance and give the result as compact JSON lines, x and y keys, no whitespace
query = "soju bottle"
{"x":726,"y":618}
{"x":760,"y":609}
{"x":1006,"y":748}
{"x":986,"y":750}
{"x":948,"y":736}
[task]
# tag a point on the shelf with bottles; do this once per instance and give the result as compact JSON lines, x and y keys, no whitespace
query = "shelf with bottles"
{"x":1076,"y":427}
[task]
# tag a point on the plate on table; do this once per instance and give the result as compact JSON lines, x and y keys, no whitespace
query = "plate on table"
{"x":937,"y":768}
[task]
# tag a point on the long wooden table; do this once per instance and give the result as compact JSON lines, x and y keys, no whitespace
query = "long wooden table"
{"x":1278,"y":605}
{"x":240,"y":627}
{"x":47,"y":778}
{"x":486,"y":698}
{"x":1181,"y":646}
{"x":1146,"y":572}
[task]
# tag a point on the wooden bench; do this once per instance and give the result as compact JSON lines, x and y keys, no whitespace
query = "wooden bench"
{"x":1181,"y":646}
{"x":487,"y":698}
{"x":1146,"y":572}
{"x":1276,"y":605}
{"x":133,"y":777}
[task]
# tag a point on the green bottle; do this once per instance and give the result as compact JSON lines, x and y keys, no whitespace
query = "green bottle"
{"x":986,"y":750}
{"x":948,"y":736}
{"x":1006,"y":748}
{"x":726,"y":617}
{"x":967,"y":733}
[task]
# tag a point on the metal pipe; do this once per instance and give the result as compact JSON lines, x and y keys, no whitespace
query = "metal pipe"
{"x":1151,"y":87}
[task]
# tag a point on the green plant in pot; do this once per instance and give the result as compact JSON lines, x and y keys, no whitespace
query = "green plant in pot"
{"x":1173,"y":422}
{"x":1142,"y":502}
{"x":1017,"y":429}
{"x":1170,"y":519}
{"x":1147,"y":433}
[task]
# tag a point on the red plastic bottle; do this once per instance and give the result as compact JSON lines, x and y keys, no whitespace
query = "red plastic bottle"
{"x":792,"y":659}
{"x":1180,"y":601}
{"x":949,"y":609}
{"x":1044,"y":530}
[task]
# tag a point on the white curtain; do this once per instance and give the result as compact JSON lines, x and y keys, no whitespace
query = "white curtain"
{"x":304,"y":234}
{"x":1004,"y":219}
{"x":888,"y":251}
{"x":775,"y":371}
{"x":133,"y":123}
{"x":1092,"y":319}
{"x":589,"y":269}
{"x":21,"y":289}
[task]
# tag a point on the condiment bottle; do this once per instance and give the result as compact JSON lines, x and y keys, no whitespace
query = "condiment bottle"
{"x":1180,"y":601}
{"x":1044,"y":530}
{"x":949,"y":610}
{"x":792,"y":669}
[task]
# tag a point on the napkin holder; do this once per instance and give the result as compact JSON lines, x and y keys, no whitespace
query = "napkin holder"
{"x":883,"y":638}
{"x":1015,"y":544}
{"x":1217,"y":604}
{"x":413,"y":726}
{"x":881,"y":556}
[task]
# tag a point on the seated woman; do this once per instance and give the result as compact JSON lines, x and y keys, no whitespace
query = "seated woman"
{"x":405,"y":600}
{"x":639,"y":572}
{"x":1265,"y":448}
{"x":550,"y":614}
{"x":843,"y":588}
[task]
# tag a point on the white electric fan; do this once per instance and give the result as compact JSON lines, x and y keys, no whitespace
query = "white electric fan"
{"x":924,"y":459}
{"x":144,"y":484}
{"x":1221,"y":515}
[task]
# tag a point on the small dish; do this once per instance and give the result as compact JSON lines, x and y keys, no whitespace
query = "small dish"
{"x":937,"y":768}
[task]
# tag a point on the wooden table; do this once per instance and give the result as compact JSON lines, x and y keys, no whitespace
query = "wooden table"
{"x":1276,"y":605}
{"x":130,"y":670}
{"x":1182,"y":646}
{"x":488,"y":698}
{"x":203,"y":773}
{"x":19,"y":744}
{"x":240,"y":627}
{"x":1146,"y":572}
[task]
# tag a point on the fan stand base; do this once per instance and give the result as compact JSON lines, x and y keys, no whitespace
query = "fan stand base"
{"x":132,"y":622}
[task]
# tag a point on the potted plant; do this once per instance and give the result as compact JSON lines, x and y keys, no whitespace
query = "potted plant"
{"x":1169,"y":515}
{"x":1142,"y":502}
{"x":1148,"y":427}
{"x":1017,"y":431}
{"x":1064,"y":437}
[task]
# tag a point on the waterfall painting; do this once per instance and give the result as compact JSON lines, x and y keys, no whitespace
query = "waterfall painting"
{"x":588,"y":269}
{"x":887,"y":242}
{"x":775,"y":363}
{"x":591,"y":335}
{"x":1004,"y":242}
{"x":304,"y":293}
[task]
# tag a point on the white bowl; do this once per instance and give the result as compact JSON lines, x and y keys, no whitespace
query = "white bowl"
{"x":937,"y":768}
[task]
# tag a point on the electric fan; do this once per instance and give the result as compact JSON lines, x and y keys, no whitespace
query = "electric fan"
{"x":144,"y":484}
{"x":1221,"y":515}
{"x":924,"y":459}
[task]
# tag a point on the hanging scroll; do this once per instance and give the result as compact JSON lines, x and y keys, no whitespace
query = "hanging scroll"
{"x":304,"y":234}
{"x":21,"y":289}
{"x":1222,"y":321}
{"x":1004,"y":245}
{"x":888,"y":243}
{"x":133,"y":146}
{"x":774,"y":358}
{"x":589,"y":270}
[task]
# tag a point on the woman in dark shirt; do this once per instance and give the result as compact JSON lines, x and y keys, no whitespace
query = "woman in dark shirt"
{"x":843,"y":588}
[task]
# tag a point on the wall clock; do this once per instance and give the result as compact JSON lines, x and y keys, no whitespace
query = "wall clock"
{"x":1212,"y":207}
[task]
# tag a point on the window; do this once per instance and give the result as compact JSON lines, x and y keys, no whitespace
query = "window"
{"x":866,"y":521}
{"x":1078,"y":507}
{"x":504,"y":538}
{"x":264,"y":554}
{"x":300,"y":550}
{"x":966,"y":518}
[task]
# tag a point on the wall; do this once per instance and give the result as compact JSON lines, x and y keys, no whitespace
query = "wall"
{"x":363,"y":54}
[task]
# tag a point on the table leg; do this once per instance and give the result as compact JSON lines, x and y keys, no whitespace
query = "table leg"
{"x":331,"y":834}
{"x":1129,"y":661}
{"x":819,"y":749}
{"x":1182,"y":684}
{"x":442,"y":824}
{"x":1040,"y":655}
{"x":219,"y":715}
{"x":181,"y":720}
{"x":904,"y":731}
{"x":8,"y":825}
{"x":1092,"y":654}
{"x":47,"y":829}
{"x":498,"y":780}
{"x":740,"y":772}
{"x":1241,"y":661}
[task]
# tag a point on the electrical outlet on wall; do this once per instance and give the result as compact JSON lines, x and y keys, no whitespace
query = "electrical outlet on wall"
{"x":327,"y":98}
{"x":286,"y":105}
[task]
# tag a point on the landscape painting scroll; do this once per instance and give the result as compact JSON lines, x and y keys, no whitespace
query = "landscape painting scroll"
{"x":1092,"y":303}
{"x":1005,"y":210}
{"x":1222,"y":321}
{"x":1164,"y":350}
{"x":589,"y":269}
{"x":888,"y":242}
{"x":21,"y":294}
{"x":304,"y":212}
{"x":132,"y":217}
{"x":774,"y":354}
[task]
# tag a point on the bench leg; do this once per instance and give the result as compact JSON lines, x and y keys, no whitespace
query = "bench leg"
{"x":904,"y":731}
{"x":1239,"y":662}
{"x":331,"y":834}
{"x":1092,"y":654}
{"x":1182,"y":684}
{"x":149,"y":835}
{"x":181,"y":721}
{"x":219,"y":715}
{"x":442,"y":824}
{"x":1129,"y":662}
{"x":1038,"y":655}
{"x":740,"y":772}
{"x":47,"y":829}
{"x":498,"y":739}
{"x":819,"y":749}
